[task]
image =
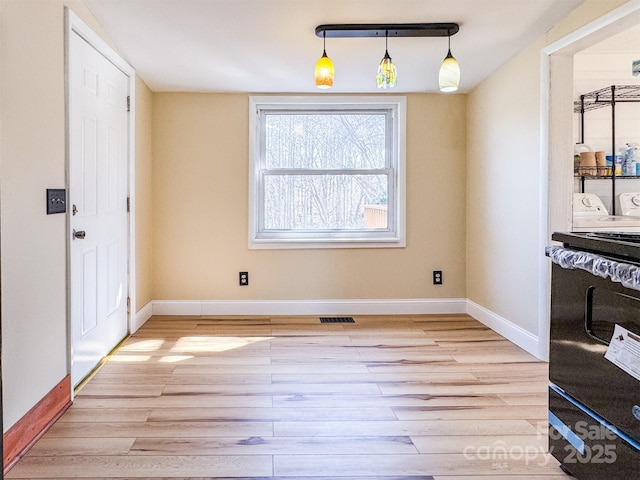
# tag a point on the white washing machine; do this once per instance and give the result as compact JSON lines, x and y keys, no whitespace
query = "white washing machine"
{"x":590,"y":215}
{"x":630,"y":204}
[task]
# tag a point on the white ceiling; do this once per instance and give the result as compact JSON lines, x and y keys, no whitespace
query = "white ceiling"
{"x":265,"y":46}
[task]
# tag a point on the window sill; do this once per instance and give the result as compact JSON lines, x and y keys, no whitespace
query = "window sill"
{"x":297,"y":243}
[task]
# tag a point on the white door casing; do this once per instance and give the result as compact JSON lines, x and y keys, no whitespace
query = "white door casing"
{"x":97,"y":204}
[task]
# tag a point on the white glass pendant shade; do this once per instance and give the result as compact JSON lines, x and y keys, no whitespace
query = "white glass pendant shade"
{"x":387,"y":74}
{"x":449,"y":76}
{"x":324,"y":72}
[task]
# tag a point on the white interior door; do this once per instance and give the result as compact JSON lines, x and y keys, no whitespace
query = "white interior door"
{"x":98,"y":185}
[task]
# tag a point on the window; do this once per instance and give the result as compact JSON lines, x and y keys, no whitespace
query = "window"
{"x":326,"y":172}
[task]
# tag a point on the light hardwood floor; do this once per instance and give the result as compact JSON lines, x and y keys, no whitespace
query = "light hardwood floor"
{"x":389,"y":398}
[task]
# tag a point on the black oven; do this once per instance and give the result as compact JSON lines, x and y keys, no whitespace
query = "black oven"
{"x":594,"y":356}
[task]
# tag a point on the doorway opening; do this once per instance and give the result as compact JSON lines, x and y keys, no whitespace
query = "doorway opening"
{"x":557,"y":139}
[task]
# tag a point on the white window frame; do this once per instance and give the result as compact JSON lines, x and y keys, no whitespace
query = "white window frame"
{"x":392,"y":237}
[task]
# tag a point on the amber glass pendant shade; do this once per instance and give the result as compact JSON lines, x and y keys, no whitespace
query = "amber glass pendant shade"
{"x":324,"y":72}
{"x":324,"y":68}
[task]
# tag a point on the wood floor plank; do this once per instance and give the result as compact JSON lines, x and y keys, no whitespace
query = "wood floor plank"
{"x":528,"y":398}
{"x":161,"y":429}
{"x":276,"y":368}
{"x":126,"y":414}
{"x":404,"y":427}
{"x":403,"y":464}
{"x":471,"y":412}
{"x":333,"y":401}
{"x":410,"y":397}
{"x":447,"y":364}
{"x":404,"y":342}
{"x":462,"y":389}
{"x":496,"y":357}
{"x":370,"y":388}
{"x":178,"y":360}
{"x":141,"y":368}
{"x":134,"y":466}
{"x":285,"y":414}
{"x":512,"y":374}
{"x":95,"y":389}
{"x":390,"y":334}
{"x":173,"y":401}
{"x":388,"y":357}
{"x":322,"y":377}
{"x":51,"y":446}
{"x":312,"y":351}
{"x":297,"y":341}
{"x":488,"y":444}
{"x":273,"y":446}
{"x":465,"y":331}
{"x":169,"y":379}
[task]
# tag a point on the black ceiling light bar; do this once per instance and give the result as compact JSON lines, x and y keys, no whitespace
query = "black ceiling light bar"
{"x":354,"y":30}
{"x":448,"y":76}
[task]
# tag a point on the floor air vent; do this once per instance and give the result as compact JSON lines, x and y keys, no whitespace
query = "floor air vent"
{"x":337,"y":320}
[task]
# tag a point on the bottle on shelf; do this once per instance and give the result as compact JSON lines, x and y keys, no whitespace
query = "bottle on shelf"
{"x":630,"y":159}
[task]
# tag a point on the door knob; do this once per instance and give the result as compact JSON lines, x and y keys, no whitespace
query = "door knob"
{"x":80,"y":234}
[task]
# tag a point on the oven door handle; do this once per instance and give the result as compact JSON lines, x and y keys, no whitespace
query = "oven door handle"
{"x":588,"y":318}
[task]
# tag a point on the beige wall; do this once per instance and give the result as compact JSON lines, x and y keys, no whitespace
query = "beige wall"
{"x":144,"y":204}
{"x":32,"y":158}
{"x":200,"y":191}
{"x":503,"y":204}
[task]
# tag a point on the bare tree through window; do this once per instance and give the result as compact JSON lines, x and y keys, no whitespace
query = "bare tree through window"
{"x":322,"y":170}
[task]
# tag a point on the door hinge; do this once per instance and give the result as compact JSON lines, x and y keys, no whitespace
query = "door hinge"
{"x":128,"y":204}
{"x":128,"y":304}
{"x":128,"y":103}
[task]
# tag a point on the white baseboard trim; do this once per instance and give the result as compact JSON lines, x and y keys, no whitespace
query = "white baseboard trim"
{"x":309,"y":307}
{"x":512,"y":332}
{"x":141,"y":317}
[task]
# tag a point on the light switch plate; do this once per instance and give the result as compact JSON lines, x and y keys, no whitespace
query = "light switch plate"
{"x":56,"y":200}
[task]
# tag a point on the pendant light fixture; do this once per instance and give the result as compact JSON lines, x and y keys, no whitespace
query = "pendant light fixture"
{"x":324,"y":68}
{"x":449,"y":76}
{"x":386,"y":76}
